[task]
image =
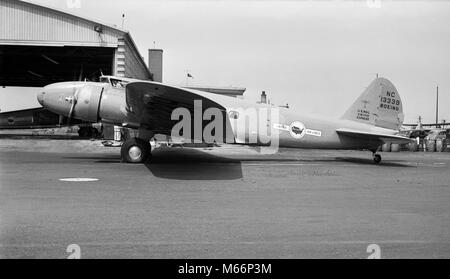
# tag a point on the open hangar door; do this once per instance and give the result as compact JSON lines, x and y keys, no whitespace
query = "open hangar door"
{"x":25,"y":69}
{"x":37,"y":66}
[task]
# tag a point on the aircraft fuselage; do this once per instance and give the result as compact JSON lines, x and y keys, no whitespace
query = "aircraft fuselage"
{"x":101,"y":102}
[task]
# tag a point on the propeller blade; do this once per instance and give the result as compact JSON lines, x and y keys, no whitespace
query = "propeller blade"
{"x":74,"y":100}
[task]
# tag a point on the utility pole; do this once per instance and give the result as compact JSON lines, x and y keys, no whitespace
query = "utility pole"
{"x":437,"y":105}
{"x":419,"y":125}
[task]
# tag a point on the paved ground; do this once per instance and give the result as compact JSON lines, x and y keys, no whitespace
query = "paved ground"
{"x":228,"y":202}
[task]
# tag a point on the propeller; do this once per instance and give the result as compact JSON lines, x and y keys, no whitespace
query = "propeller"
{"x":73,"y":100}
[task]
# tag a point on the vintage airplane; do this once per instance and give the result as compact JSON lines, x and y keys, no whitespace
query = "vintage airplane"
{"x":154,"y":108}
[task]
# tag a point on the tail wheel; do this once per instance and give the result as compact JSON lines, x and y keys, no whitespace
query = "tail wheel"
{"x":377,"y":158}
{"x":135,"y":151}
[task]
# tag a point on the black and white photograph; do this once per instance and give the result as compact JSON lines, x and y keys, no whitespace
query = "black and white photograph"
{"x":212,"y":130}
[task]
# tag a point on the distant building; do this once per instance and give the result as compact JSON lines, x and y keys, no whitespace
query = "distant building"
{"x":263,"y":97}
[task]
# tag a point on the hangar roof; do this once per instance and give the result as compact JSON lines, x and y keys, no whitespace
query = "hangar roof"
{"x":71,"y":14}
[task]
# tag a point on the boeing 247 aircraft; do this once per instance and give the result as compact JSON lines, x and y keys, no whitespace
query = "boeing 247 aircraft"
{"x":153,"y":108}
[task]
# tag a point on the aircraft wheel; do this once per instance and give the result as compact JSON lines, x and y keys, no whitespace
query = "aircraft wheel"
{"x":83,"y":132}
{"x":135,"y":151}
{"x":377,"y":158}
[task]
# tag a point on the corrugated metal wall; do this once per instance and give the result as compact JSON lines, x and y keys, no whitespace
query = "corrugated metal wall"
{"x":134,"y":65}
{"x":26,"y":22}
{"x":128,"y":63}
{"x":120,"y":58}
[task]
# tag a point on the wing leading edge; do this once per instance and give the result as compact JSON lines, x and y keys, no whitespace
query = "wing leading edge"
{"x":384,"y":138}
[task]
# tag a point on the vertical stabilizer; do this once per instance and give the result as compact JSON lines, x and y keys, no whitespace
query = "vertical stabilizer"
{"x":379,"y":105}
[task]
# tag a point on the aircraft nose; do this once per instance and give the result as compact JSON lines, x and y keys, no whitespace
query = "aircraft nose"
{"x":58,"y":97}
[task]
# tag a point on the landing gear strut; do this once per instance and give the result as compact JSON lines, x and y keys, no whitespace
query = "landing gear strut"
{"x":135,"y":151}
{"x":376,"y":158}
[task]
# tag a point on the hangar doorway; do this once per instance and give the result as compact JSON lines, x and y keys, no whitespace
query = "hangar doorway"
{"x":37,"y":66}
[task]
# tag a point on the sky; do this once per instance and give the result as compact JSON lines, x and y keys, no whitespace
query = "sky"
{"x":317,"y":56}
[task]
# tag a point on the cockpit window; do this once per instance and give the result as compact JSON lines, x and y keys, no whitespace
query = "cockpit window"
{"x":118,"y":83}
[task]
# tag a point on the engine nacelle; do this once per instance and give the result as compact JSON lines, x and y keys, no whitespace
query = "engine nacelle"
{"x":88,"y":103}
{"x":78,"y":100}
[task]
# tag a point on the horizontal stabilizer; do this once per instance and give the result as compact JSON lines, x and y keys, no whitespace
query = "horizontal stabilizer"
{"x":385,"y":138}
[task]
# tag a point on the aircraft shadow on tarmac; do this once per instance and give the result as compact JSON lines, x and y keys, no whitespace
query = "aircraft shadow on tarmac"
{"x":353,"y":160}
{"x":362,"y":161}
{"x":182,"y":164}
{"x":195,"y":164}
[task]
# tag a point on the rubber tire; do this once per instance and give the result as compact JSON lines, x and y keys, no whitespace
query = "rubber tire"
{"x":143,"y":145}
{"x":377,"y":158}
{"x":83,"y":132}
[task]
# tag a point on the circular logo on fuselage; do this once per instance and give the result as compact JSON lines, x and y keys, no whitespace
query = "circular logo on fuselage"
{"x":297,"y":129}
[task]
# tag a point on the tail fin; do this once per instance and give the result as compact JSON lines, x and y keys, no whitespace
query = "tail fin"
{"x":379,"y":105}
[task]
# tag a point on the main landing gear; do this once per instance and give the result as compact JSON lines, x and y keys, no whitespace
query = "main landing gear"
{"x":135,"y":151}
{"x":376,"y":158}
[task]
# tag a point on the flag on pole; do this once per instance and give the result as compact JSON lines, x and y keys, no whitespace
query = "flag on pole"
{"x":189,"y":75}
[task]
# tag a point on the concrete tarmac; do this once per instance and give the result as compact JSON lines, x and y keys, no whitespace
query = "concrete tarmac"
{"x":225,"y":202}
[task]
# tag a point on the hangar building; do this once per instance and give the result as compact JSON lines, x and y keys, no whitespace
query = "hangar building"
{"x":41,"y":45}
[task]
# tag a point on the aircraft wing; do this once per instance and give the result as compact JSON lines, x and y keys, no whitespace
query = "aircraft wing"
{"x":384,"y":138}
{"x":151,"y":104}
